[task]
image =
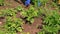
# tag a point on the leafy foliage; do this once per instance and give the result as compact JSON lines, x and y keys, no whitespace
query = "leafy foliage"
{"x":1,"y":14}
{"x":1,"y":2}
{"x":51,"y":22}
{"x":2,"y":32}
{"x":36,"y":3}
{"x":19,"y":8}
{"x":13,"y":25}
{"x":30,"y":14}
{"x":44,"y":1}
{"x":8,"y":12}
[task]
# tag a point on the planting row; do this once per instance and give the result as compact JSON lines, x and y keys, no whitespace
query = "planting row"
{"x":50,"y":18}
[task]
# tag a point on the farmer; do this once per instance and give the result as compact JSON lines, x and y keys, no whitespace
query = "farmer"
{"x":27,"y":3}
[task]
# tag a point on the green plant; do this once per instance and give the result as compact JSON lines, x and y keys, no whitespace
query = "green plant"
{"x":36,"y":3}
{"x":44,"y":1}
{"x":2,"y":32}
{"x":52,"y":22}
{"x":1,"y":2}
{"x":13,"y":25}
{"x":19,"y":8}
{"x":30,"y":14}
{"x":1,"y":14}
{"x":41,"y":32}
{"x":9,"y":12}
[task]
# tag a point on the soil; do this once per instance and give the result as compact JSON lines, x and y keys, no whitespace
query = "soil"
{"x":33,"y":28}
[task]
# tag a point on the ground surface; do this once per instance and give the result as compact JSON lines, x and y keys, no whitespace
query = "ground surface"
{"x":27,"y":28}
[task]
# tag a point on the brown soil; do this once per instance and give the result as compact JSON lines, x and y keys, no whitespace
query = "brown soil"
{"x":12,"y":3}
{"x":32,"y":29}
{"x":2,"y":20}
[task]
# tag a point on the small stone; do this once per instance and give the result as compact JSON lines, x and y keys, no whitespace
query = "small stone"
{"x":0,"y":22}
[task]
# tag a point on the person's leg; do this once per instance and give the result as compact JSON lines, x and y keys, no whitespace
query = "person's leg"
{"x":27,"y":3}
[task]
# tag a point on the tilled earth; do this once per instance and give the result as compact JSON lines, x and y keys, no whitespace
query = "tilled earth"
{"x":32,"y":29}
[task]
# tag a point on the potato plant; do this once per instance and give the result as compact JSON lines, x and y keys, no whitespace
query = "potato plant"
{"x":50,"y":17}
{"x":30,"y":14}
{"x":1,"y":2}
{"x":51,"y":22}
{"x":13,"y":25}
{"x":2,"y":32}
{"x":36,"y":3}
{"x":9,"y":12}
{"x":1,"y":14}
{"x":19,"y":8}
{"x":56,"y":1}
